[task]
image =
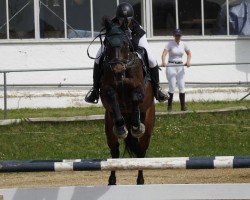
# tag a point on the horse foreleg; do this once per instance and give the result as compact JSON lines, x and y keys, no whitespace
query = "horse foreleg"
{"x":140,"y":178}
{"x":115,"y":154}
{"x":114,"y":150}
{"x":148,"y":119}
{"x":137,"y":128}
{"x":113,"y":144}
{"x":119,"y":128}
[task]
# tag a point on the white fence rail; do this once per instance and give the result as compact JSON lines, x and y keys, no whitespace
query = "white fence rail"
{"x":23,"y":70}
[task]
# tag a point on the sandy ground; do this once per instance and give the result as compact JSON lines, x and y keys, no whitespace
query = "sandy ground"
{"x":46,"y":179}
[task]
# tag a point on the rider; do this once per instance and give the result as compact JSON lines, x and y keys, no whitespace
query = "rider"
{"x":125,"y":12}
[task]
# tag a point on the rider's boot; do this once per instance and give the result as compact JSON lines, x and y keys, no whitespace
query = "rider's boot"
{"x":182,"y":102}
{"x":93,"y":95}
{"x":170,"y":101}
{"x":159,"y":95}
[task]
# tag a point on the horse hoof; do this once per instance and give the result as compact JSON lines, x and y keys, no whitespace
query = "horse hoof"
{"x":112,"y":180}
{"x":140,"y":181}
{"x":138,"y":131}
{"x":120,"y":132}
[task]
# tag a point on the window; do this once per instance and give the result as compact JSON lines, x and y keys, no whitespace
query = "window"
{"x":215,"y":18}
{"x":190,"y":16}
{"x":21,"y":19}
{"x":3,"y":29}
{"x":51,"y":19}
{"x":103,"y":8}
{"x":138,"y":9}
{"x":164,"y":17}
{"x":82,"y":18}
{"x":239,"y":15}
{"x":78,"y":19}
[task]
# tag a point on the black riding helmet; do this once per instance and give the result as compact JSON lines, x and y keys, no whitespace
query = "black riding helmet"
{"x":124,"y":10}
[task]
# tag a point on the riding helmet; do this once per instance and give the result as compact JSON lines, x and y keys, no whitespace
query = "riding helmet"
{"x":124,"y":10}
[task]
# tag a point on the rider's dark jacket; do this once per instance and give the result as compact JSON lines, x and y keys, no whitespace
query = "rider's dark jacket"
{"x":136,"y":32}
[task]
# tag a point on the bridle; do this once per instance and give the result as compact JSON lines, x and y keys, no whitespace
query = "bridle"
{"x":131,"y":58}
{"x":123,"y":39}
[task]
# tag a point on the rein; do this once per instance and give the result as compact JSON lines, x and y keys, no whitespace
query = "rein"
{"x":100,"y":37}
{"x":129,"y":63}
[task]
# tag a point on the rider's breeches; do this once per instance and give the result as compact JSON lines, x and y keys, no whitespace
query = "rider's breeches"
{"x":176,"y":74}
{"x":151,"y":59}
{"x":142,"y":43}
{"x":98,"y":55}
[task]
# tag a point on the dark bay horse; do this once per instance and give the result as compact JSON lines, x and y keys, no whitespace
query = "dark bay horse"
{"x":127,"y":97}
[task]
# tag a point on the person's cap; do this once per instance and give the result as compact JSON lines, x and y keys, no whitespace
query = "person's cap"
{"x":177,"y":32}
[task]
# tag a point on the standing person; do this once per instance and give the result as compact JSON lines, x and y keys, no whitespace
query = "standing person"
{"x":125,"y":18}
{"x":176,"y":48}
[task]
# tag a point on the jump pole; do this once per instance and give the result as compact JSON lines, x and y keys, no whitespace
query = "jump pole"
{"x":126,"y":164}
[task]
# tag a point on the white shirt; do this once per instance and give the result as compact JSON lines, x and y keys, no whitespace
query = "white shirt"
{"x":176,"y":51}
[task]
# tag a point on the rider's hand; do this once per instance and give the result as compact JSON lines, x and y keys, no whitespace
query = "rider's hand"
{"x":187,"y":64}
{"x":164,"y":64}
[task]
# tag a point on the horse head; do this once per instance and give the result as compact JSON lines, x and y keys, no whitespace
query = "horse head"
{"x":117,"y":54}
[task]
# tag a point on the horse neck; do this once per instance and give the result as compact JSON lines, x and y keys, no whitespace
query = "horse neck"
{"x":137,"y":69}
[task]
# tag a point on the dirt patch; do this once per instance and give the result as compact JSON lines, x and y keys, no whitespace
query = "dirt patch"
{"x":46,"y":179}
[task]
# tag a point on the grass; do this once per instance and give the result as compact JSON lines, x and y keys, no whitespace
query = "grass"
{"x":67,"y":112}
{"x":181,"y":135}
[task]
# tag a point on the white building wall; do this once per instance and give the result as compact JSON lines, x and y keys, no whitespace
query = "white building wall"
{"x":72,"y":53}
{"x":30,"y":54}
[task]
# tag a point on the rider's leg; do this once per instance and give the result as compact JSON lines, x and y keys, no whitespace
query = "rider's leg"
{"x":93,"y":95}
{"x":170,"y":102}
{"x":171,"y":76}
{"x":154,"y":74}
{"x":153,"y":69}
{"x":181,"y":86}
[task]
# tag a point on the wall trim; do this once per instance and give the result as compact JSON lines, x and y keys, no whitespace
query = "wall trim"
{"x":88,"y":40}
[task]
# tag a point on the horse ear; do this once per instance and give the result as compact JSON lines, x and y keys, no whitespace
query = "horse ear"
{"x":106,"y":22}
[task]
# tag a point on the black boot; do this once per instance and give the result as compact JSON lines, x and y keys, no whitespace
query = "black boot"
{"x":170,"y":101}
{"x":93,"y":95}
{"x":182,"y":102}
{"x":159,"y":95}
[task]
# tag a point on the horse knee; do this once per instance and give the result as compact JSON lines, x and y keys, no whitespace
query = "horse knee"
{"x":109,"y":92}
{"x":138,"y":95}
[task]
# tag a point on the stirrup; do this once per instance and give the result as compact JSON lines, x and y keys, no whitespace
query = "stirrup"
{"x":164,"y":97}
{"x":92,"y":96}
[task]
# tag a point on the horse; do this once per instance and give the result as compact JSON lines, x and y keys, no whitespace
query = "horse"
{"x":127,"y":97}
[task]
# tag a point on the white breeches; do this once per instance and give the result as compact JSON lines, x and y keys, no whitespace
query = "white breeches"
{"x":142,"y":43}
{"x":151,"y":59}
{"x":98,"y":55}
{"x":176,"y":74}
